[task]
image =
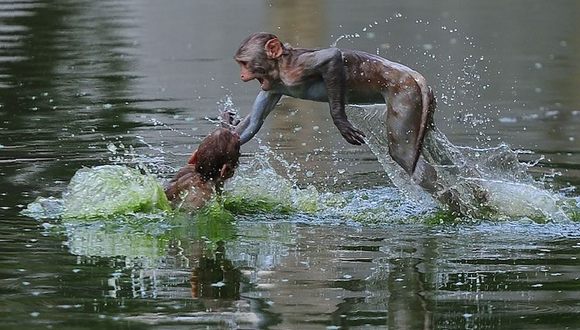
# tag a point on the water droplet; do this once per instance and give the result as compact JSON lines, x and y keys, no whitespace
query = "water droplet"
{"x":552,"y":113}
{"x":218,"y":284}
{"x":112,"y":148}
{"x":508,"y":120}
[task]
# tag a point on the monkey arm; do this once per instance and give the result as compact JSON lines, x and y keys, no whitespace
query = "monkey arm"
{"x":333,"y":74}
{"x":251,"y":124}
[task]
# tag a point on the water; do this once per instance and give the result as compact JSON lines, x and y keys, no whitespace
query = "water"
{"x":130,"y":83}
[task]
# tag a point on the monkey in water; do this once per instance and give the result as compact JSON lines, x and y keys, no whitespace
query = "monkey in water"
{"x":214,"y":161}
{"x":339,"y":77}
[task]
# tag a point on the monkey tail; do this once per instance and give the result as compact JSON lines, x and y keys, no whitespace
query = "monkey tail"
{"x":428,"y":108}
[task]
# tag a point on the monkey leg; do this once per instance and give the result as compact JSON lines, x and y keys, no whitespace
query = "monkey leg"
{"x":425,"y":176}
{"x":404,"y":120}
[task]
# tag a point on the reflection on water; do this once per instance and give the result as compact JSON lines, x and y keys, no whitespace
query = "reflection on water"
{"x":196,"y":270}
{"x":86,"y":83}
{"x":278,"y":274}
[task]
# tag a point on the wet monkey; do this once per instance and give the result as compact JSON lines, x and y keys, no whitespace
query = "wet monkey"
{"x":214,"y":161}
{"x":339,"y":77}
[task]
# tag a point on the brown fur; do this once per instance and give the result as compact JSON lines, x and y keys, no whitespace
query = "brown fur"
{"x":214,"y":161}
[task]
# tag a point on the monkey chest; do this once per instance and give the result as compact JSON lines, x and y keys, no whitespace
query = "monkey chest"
{"x":312,"y":90}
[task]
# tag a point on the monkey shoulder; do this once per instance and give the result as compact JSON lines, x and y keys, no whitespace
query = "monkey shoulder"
{"x":329,"y":53}
{"x":308,"y":66}
{"x":312,"y":60}
{"x":302,"y":67}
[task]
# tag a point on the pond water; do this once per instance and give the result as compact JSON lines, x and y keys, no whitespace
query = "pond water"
{"x":335,"y":245}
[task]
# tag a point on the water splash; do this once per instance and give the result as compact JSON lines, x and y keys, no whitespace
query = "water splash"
{"x":117,"y":193}
{"x":103,"y":192}
{"x":344,"y":36}
{"x":366,"y":30}
{"x":257,"y":187}
{"x":489,"y":183}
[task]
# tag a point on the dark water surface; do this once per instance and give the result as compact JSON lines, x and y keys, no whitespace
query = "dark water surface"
{"x":86,"y":83}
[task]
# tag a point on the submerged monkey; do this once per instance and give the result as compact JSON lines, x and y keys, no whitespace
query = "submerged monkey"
{"x":214,"y":161}
{"x":340,"y":77}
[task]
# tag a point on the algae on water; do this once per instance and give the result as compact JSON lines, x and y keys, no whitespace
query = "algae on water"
{"x":108,"y":190}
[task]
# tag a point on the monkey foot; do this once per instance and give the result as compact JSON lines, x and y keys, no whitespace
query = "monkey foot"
{"x":450,"y":197}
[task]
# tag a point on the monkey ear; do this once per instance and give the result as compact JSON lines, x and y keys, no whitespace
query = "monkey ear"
{"x":193,"y":159}
{"x":274,"y":48}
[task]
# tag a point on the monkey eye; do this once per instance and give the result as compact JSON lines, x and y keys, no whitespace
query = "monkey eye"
{"x":259,"y":70}
{"x":243,"y":63}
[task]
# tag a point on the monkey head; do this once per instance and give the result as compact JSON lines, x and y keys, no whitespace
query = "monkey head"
{"x":214,"y":161}
{"x":258,"y":57}
{"x":217,"y":156}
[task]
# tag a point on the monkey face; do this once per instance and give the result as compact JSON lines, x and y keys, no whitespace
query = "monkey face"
{"x":258,"y":58}
{"x":250,"y":70}
{"x":246,"y":74}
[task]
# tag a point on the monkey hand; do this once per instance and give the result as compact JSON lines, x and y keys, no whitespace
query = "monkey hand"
{"x":229,"y":118}
{"x":349,"y":133}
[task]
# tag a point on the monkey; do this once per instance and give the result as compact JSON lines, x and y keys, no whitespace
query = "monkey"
{"x":210,"y":165}
{"x":340,"y":77}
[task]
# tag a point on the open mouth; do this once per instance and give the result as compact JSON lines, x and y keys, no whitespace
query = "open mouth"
{"x":262,"y":82}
